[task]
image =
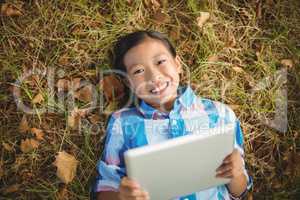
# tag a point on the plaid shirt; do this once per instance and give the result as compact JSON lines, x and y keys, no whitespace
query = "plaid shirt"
{"x":144,"y":125}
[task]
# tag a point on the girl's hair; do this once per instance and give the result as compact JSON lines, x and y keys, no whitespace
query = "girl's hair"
{"x":131,"y":40}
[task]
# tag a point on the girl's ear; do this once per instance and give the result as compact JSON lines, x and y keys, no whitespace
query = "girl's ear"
{"x":178,"y":64}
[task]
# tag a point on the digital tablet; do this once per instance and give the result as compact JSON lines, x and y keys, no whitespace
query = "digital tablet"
{"x":182,"y":165}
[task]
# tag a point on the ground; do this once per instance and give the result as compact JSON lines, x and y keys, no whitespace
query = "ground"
{"x":243,"y":53}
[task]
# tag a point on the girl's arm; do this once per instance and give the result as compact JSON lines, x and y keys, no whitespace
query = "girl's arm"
{"x":233,"y":167}
{"x":108,"y":195}
{"x":238,"y":185}
{"x":129,"y":189}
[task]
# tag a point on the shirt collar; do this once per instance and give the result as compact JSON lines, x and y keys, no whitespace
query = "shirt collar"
{"x":185,"y":98}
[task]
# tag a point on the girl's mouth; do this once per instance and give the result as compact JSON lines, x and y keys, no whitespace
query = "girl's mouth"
{"x":160,"y":89}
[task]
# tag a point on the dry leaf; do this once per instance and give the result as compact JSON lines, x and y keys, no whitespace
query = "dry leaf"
{"x":64,"y":60}
{"x":28,"y":145}
{"x":258,"y":10}
{"x":112,"y":87}
{"x":66,"y":166}
{"x":62,"y":85}
{"x":204,"y":16}
{"x":75,"y":83}
{"x":213,"y":58}
{"x":1,"y":170}
{"x":38,"y":99}
{"x":7,"y":146}
{"x":129,"y":2}
{"x":175,"y":34}
{"x":94,"y":118}
{"x":62,"y":193}
{"x":111,"y":107}
{"x":237,"y":69}
{"x":161,"y":17}
{"x":287,"y":63}
{"x":155,"y":3}
{"x":74,"y":118}
{"x":39,"y":134}
{"x":11,"y":188}
{"x":10,"y":10}
{"x":23,"y":127}
{"x":84,"y":94}
{"x":73,"y":121}
{"x":33,"y":80}
{"x":231,"y":41}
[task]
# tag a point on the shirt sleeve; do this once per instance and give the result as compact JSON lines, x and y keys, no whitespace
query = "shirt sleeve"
{"x":111,"y":167}
{"x":239,"y":145}
{"x":239,"y":141}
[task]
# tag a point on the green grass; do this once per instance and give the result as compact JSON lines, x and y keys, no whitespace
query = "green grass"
{"x":82,"y":32}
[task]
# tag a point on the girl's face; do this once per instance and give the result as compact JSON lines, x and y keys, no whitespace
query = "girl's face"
{"x":153,"y":73}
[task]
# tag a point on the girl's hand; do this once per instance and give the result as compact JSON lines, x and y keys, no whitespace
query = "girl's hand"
{"x":130,"y":190}
{"x":232,"y":166}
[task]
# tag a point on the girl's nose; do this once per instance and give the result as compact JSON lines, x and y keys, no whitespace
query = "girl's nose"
{"x":155,"y":76}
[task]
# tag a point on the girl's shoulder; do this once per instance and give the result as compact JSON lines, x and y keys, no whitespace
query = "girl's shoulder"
{"x":127,"y":115}
{"x":212,"y":106}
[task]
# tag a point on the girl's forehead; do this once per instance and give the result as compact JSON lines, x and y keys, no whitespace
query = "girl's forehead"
{"x":147,"y":49}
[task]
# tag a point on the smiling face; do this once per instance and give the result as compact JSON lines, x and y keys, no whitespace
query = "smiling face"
{"x":153,"y":73}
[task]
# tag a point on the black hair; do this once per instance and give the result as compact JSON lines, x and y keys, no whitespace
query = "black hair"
{"x":131,"y":40}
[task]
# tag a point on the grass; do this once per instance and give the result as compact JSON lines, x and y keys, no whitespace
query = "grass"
{"x":73,"y":39}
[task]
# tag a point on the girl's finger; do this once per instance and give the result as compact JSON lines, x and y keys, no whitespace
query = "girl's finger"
{"x":226,"y":174}
{"x":224,"y":169}
{"x":129,"y":193}
{"x":129,"y":183}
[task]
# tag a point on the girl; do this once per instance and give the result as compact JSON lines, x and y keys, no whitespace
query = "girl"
{"x":153,"y":70}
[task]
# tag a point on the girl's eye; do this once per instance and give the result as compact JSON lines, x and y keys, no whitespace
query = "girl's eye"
{"x":161,"y":61}
{"x":138,"y":71}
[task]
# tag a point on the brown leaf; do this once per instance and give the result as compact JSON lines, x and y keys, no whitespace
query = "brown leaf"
{"x":23,"y":127}
{"x":11,"y":189}
{"x":28,"y":145}
{"x":73,"y":121}
{"x":7,"y":146}
{"x":112,"y":87}
{"x":66,"y":166}
{"x":161,"y":17}
{"x":84,"y":94}
{"x":175,"y":34}
{"x":204,"y":16}
{"x":1,"y":170}
{"x":75,"y":83}
{"x":62,"y":193}
{"x":33,"y":80}
{"x":10,"y":10}
{"x":39,"y":134}
{"x":287,"y":63}
{"x":64,"y":60}
{"x":74,"y":118}
{"x":94,"y":118}
{"x":258,"y":10}
{"x":237,"y":69}
{"x":38,"y":99}
{"x":231,"y":41}
{"x":111,"y":107}
{"x":155,"y":3}
{"x":213,"y":58}
{"x":62,"y":85}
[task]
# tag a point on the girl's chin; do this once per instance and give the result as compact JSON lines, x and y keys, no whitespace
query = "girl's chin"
{"x":164,"y":104}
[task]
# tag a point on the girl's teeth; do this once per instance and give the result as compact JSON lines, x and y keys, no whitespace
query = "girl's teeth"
{"x":156,"y":90}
